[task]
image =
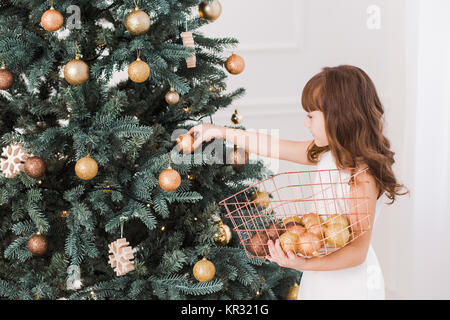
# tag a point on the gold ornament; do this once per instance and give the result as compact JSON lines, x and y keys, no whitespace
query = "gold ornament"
{"x":64,"y":214}
{"x":261,"y":199}
{"x":236,"y":118}
{"x":185,"y":143}
{"x":169,"y":179}
{"x":52,"y":20}
{"x":137,"y":22}
{"x":172,"y":97}
{"x":86,"y":168}
{"x":210,"y":10}
{"x":191,"y":176}
{"x":224,"y":235}
{"x":76,"y":71}
{"x":139,"y":71}
{"x":293,"y":292}
{"x":37,"y":244}
{"x":235,"y":64}
{"x":6,"y":77}
{"x":204,"y":270}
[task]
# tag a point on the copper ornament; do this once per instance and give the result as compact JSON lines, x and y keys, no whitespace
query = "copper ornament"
{"x":235,"y":64}
{"x":224,"y":235}
{"x":76,"y":71}
{"x":34,"y":167}
{"x":137,"y":22}
{"x":139,"y":71}
{"x":6,"y":78}
{"x":86,"y":168}
{"x":172,"y":97}
{"x":52,"y":20}
{"x":37,"y":244}
{"x":236,"y":118}
{"x":210,"y":10}
{"x":169,"y":179}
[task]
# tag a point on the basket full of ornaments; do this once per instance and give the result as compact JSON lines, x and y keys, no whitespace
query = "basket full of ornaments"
{"x":312,"y":213}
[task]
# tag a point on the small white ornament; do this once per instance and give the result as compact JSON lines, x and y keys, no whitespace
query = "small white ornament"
{"x":121,"y":256}
{"x":15,"y":155}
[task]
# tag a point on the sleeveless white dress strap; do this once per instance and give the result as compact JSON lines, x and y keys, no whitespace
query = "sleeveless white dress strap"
{"x":361,"y":282}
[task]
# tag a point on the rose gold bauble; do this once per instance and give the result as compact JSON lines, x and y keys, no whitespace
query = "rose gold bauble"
{"x":289,"y":241}
{"x":169,"y":179}
{"x":257,"y":244}
{"x":6,"y":78}
{"x":210,"y":10}
{"x":311,"y":219}
{"x":172,"y":97}
{"x":139,"y":71}
{"x":238,"y":158}
{"x":137,"y":22}
{"x":76,"y":71}
{"x":37,"y":244}
{"x":309,"y":244}
{"x":86,"y":168}
{"x":204,"y":270}
{"x":235,"y":64}
{"x":185,"y":143}
{"x":52,"y":20}
{"x":34,"y":167}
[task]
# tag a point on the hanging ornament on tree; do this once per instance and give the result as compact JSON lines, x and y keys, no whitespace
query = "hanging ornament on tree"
{"x":293,"y":292}
{"x":121,"y":253}
{"x":223,"y":237}
{"x":204,"y":270}
{"x":169,"y":179}
{"x":86,"y":168}
{"x":236,"y":118}
{"x":137,"y":21}
{"x":34,"y":167}
{"x":12,"y":160}
{"x":76,"y":71}
{"x":52,"y":20}
{"x":188,"y":41}
{"x":235,"y":64}
{"x":210,"y":10}
{"x":238,"y":158}
{"x":172,"y":97}
{"x":139,"y":71}
{"x":37,"y":244}
{"x":185,"y":143}
{"x":6,"y":77}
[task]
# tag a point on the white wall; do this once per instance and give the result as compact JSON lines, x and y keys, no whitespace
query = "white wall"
{"x":286,"y":42}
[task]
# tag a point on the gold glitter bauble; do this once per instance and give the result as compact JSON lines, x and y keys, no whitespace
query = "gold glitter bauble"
{"x":204,"y":270}
{"x":169,"y":179}
{"x":34,"y":167}
{"x":76,"y":71}
{"x":210,"y":10}
{"x":139,"y":71}
{"x":137,"y":22}
{"x":235,"y":64}
{"x":86,"y":168}
{"x":52,"y":20}
{"x":172,"y":97}
{"x":37,"y":244}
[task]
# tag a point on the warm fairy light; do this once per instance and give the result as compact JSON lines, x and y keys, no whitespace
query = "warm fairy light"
{"x":40,"y":182}
{"x":92,"y":292}
{"x":163,"y":228}
{"x":136,"y":117}
{"x":148,"y":205}
{"x":195,"y":218}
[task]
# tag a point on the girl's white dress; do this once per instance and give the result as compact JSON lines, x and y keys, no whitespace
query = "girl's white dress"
{"x":361,"y":282}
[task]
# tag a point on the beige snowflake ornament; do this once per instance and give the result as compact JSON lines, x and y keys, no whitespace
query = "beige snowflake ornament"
{"x":188,"y":41}
{"x":121,"y":256}
{"x":12,"y":160}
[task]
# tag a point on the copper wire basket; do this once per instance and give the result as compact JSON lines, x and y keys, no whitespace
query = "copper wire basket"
{"x":325,"y":209}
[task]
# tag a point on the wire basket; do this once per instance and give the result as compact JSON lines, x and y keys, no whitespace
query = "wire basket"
{"x":313,"y":213}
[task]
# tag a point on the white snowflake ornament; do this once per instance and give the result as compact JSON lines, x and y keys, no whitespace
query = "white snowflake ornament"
{"x":121,"y":256}
{"x":12,"y":160}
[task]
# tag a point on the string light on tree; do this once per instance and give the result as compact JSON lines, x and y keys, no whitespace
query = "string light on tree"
{"x":52,"y":20}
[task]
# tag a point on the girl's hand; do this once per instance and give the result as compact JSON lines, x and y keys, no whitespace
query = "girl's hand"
{"x":205,"y":132}
{"x":291,"y":260}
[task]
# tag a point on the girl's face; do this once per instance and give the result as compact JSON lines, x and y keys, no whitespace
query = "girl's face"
{"x":315,"y":122}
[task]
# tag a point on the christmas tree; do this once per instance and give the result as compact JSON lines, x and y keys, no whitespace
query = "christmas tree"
{"x":83,"y":158}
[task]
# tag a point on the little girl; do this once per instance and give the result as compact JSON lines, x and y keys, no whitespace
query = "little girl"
{"x":344,"y":115}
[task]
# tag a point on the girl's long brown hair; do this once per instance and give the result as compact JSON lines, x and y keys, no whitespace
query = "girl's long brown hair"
{"x":353,"y":117}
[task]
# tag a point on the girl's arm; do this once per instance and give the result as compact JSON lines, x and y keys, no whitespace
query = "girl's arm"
{"x":254,"y":142}
{"x":351,"y":255}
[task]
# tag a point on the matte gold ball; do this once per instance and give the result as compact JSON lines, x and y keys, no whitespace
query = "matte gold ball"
{"x":52,"y":20}
{"x":86,"y":168}
{"x":210,"y":10}
{"x":76,"y":72}
{"x":34,"y":167}
{"x":172,"y":97}
{"x":139,"y":71}
{"x":137,"y":22}
{"x":37,"y":244}
{"x":204,"y":270}
{"x":185,"y":143}
{"x":235,"y":64}
{"x":169,"y":179}
{"x":6,"y":79}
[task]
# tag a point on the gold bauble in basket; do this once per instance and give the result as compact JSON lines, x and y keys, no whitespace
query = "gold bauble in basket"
{"x":309,"y":244}
{"x":261,"y":199}
{"x":311,"y":219}
{"x":289,"y":241}
{"x":336,"y":235}
{"x":337,"y":219}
